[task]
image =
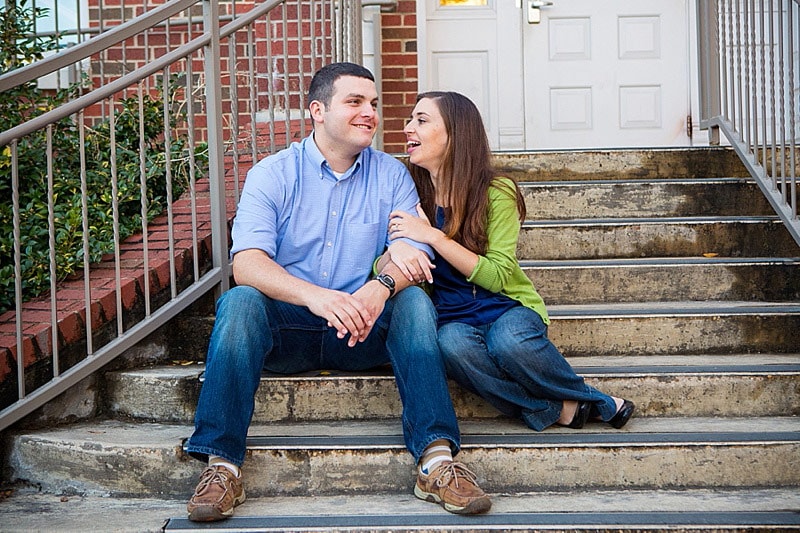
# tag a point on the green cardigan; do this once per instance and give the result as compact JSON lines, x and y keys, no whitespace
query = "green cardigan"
{"x":499,"y":270}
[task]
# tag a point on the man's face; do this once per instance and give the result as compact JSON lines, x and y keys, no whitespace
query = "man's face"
{"x":351,"y":119}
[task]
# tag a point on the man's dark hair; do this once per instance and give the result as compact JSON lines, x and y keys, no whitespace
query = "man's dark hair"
{"x":322,"y":83}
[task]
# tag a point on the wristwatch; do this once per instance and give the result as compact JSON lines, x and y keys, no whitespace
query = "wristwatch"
{"x":387,"y":281}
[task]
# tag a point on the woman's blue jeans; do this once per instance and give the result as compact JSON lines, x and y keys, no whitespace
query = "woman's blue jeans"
{"x":513,"y":365}
{"x":253,"y":332}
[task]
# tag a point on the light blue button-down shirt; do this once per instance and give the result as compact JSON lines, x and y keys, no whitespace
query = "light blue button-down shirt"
{"x":324,"y":230}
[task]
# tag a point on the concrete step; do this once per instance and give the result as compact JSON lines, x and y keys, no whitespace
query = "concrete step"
{"x":676,"y":328}
{"x":146,"y":460}
{"x":644,"y":198}
{"x":598,"y":511}
{"x":655,"y":237}
{"x":722,"y":385}
{"x":667,"y":164}
{"x":597,"y":281}
{"x":667,"y":279}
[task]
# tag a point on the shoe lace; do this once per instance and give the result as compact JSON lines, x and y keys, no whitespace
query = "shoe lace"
{"x":214,"y":476}
{"x":454,"y":471}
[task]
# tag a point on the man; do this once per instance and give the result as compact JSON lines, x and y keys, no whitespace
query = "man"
{"x":310,"y":222}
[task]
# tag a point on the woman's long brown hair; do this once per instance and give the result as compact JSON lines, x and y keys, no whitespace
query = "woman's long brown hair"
{"x":465,"y":175}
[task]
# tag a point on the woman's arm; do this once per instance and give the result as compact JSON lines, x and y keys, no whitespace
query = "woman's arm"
{"x":497,"y":265}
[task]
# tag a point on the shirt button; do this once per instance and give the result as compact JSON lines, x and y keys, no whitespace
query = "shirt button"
{"x":333,"y":213}
{"x":324,"y":274}
{"x":330,"y":244}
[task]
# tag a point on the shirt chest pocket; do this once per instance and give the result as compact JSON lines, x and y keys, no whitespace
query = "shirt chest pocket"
{"x":360,"y":244}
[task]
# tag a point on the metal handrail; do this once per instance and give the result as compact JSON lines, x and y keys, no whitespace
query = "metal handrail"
{"x":749,"y":91}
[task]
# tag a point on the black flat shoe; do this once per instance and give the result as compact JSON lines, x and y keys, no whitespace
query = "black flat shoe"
{"x":581,"y":415}
{"x":623,"y":415}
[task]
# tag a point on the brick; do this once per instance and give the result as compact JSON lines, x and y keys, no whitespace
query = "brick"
{"x":399,"y":59}
{"x":399,"y":33}
{"x":71,"y":327}
{"x":390,"y":20}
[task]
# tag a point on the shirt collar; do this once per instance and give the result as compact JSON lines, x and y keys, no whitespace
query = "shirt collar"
{"x":316,"y":157}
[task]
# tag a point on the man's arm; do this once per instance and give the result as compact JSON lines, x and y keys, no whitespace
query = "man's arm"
{"x":374,"y":294}
{"x":345,"y":312}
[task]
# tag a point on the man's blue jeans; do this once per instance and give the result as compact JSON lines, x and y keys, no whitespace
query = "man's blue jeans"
{"x":513,"y":365}
{"x":253,"y":332}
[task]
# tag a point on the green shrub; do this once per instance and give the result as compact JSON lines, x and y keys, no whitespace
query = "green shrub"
{"x":19,"y":47}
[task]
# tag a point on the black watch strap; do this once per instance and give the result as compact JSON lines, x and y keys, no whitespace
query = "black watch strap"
{"x":387,"y":281}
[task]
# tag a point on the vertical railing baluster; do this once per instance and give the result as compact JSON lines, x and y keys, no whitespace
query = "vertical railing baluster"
{"x":17,"y":269}
{"x":747,"y":115}
{"x":115,"y":211}
{"x":166,"y":89}
{"x":123,"y":45}
{"x":233,"y":82}
{"x":793,"y":104}
{"x":102,"y":57}
{"x":301,"y":41}
{"x":772,"y":137}
{"x":87,"y":280}
{"x":51,"y":225}
{"x":144,"y":202}
{"x":740,"y":125}
{"x":312,"y":8}
{"x":192,"y":174}
{"x":723,"y":51}
{"x":763,"y":79}
{"x":57,"y":25}
{"x":270,"y":86}
{"x":732,"y":66}
{"x":253,"y":85}
{"x":781,"y":116}
{"x":287,"y":106}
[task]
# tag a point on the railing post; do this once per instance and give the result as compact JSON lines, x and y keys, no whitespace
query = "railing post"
{"x":709,"y":66}
{"x":216,"y":166}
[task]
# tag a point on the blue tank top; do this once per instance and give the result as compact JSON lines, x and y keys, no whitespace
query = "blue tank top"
{"x":458,"y":300}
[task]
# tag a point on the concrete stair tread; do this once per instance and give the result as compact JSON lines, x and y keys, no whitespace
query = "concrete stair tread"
{"x":110,"y":434}
{"x":679,"y":308}
{"x":588,"y":365}
{"x":27,"y":511}
{"x":666,"y":220}
{"x":635,"y":181}
{"x":658,"y":261}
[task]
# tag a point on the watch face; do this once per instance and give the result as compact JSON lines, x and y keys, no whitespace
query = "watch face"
{"x":387,"y":281}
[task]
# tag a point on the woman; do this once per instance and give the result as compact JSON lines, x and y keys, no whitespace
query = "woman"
{"x":492,"y":322}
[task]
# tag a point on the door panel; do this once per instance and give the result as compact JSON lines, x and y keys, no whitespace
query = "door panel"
{"x":463,"y":51}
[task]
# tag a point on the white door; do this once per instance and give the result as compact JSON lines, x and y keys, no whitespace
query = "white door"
{"x":588,"y":75}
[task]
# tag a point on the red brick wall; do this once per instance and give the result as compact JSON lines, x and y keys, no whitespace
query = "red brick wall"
{"x":399,"y":72}
{"x":267,"y":53}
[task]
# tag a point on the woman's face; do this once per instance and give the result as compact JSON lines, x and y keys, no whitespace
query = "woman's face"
{"x":426,"y":136}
